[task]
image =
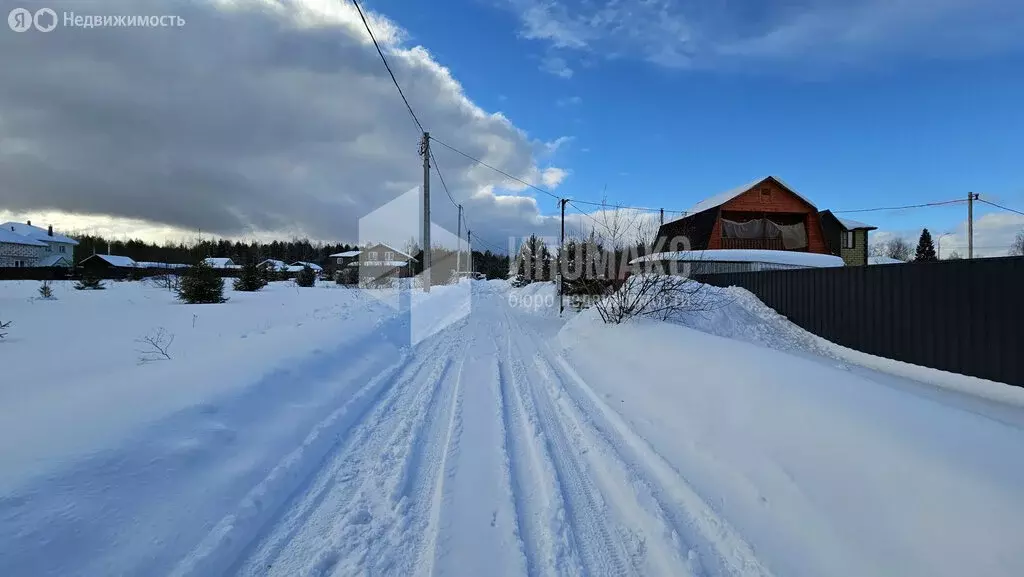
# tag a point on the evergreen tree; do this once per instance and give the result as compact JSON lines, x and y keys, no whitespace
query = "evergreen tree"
{"x":201,"y":285}
{"x":251,"y":279}
{"x":306,"y":277}
{"x":89,"y":281}
{"x":45,"y":291}
{"x":925,"y":248}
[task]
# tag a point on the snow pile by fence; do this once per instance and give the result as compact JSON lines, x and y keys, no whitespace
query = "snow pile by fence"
{"x":737,"y":314}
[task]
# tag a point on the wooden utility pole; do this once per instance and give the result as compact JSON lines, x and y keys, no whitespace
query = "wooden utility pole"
{"x":561,"y":259}
{"x":458,"y":253}
{"x":971,"y":197}
{"x":661,"y":217}
{"x":469,"y":246}
{"x":425,"y":151}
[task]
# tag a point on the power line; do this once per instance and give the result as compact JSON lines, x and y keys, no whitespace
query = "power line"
{"x":901,"y":207}
{"x":386,"y":65}
{"x":437,"y":169}
{"x":498,"y":170}
{"x":1001,"y":206}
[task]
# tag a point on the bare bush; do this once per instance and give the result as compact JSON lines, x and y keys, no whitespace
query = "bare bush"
{"x":155,"y":346}
{"x":660,"y":297}
{"x":3,"y":326}
{"x":167,"y":281}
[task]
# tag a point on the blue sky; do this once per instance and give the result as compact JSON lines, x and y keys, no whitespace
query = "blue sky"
{"x":894,"y":121}
{"x":276,"y":118}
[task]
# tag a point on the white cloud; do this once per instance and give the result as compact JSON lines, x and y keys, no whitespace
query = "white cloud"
{"x":993,"y":235}
{"x":556,"y":144}
{"x":552,"y":177}
{"x":690,"y":33}
{"x":288,"y":124}
{"x":557,"y":66}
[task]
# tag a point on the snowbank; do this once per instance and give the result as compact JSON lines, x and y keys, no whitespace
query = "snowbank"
{"x":823,"y":470}
{"x":74,"y":362}
{"x":736,"y":313}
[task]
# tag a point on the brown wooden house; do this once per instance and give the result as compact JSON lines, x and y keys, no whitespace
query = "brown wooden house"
{"x":766,"y":214}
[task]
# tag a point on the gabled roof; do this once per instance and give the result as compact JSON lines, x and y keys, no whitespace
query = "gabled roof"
{"x":53,"y":260}
{"x":855,"y":225}
{"x":277,"y":264}
{"x":7,"y":236}
{"x":724,"y":197}
{"x":36,"y":233}
{"x":219,"y":262}
{"x":392,"y":249}
{"x":346,"y":254}
{"x":113,"y":260}
{"x":312,"y":265}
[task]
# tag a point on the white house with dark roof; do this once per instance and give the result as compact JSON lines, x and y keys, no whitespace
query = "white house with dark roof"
{"x":22,"y":244}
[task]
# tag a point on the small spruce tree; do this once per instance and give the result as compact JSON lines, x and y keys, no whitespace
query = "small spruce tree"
{"x":89,"y":281}
{"x":251,"y":279}
{"x":306,"y":277}
{"x":925,"y":248}
{"x":45,"y":291}
{"x":201,"y":285}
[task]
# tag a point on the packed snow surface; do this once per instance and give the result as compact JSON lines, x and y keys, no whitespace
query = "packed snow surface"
{"x":300,"y":432}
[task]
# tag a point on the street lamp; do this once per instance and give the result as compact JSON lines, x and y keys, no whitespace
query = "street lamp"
{"x":940,"y":242}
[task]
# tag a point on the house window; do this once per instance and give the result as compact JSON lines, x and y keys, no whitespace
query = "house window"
{"x":49,"y":248}
{"x":766,"y":195}
{"x":341,"y":260}
{"x":848,"y":240}
{"x":389,"y":256}
{"x":373,"y":255}
{"x":62,"y":247}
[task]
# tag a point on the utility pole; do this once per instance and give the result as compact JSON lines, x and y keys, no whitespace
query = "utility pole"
{"x":425,"y":151}
{"x":661,"y":217}
{"x":971,"y":197}
{"x":458,"y":253}
{"x":561,"y":258}
{"x":469,"y":244}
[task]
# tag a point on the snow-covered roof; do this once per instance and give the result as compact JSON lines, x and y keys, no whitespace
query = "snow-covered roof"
{"x":883,"y":260}
{"x":277,"y":264}
{"x":36,"y":233}
{"x":115,"y":260}
{"x":7,"y":236}
{"x":160,"y":265}
{"x":219,"y":262}
{"x":854,"y":224}
{"x":724,"y":197}
{"x":786,"y":257}
{"x":394,"y":263}
{"x":53,"y":260}
{"x":346,"y":254}
{"x":312,"y":265}
{"x":392,"y":249}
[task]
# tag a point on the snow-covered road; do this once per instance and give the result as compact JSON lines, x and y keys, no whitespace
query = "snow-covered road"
{"x":476,"y":461}
{"x":498,"y":446}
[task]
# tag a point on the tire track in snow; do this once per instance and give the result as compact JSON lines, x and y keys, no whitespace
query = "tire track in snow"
{"x":477,"y":509}
{"x":539,"y":502}
{"x":428,"y":552}
{"x":601,"y":551}
{"x":720,"y":550}
{"x":309,"y":528}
